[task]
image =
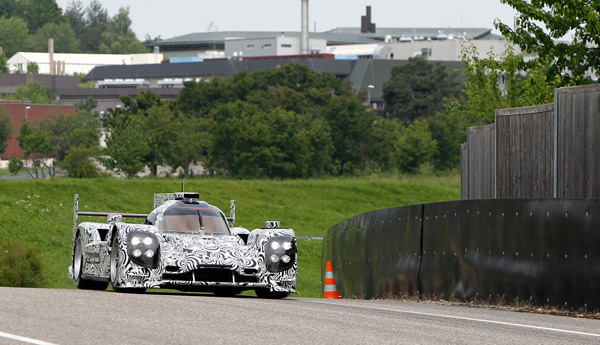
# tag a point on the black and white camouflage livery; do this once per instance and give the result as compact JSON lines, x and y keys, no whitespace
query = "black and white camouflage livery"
{"x":209,"y":255}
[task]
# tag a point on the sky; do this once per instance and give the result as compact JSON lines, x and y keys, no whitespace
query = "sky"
{"x":179,"y":17}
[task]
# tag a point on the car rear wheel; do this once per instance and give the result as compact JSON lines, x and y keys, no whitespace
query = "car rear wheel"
{"x":266,"y":293}
{"x":115,"y":269}
{"x":78,"y":268}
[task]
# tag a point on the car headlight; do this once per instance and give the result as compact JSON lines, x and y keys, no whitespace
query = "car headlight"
{"x":143,"y":248}
{"x":280,"y":253}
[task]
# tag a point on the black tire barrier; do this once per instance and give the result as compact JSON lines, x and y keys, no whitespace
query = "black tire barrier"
{"x":543,"y":252}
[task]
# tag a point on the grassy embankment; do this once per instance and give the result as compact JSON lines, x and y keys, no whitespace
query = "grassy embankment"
{"x":40,"y":212}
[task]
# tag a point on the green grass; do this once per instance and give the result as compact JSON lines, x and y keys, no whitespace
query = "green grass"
{"x":40,"y":212}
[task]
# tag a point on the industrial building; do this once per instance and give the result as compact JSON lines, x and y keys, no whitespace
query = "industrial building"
{"x":364,"y":55}
{"x":70,"y":64}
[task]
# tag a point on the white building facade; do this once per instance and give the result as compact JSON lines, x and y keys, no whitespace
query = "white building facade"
{"x":70,"y":64}
{"x":273,"y":46}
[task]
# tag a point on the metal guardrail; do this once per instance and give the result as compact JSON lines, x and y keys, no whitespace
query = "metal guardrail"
{"x":537,"y":251}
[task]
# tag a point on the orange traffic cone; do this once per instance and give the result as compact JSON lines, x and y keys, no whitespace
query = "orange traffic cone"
{"x":330,"y":289}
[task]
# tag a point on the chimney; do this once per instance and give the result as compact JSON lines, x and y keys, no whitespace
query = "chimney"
{"x":365,"y":24}
{"x":304,"y":39}
{"x":51,"y":55}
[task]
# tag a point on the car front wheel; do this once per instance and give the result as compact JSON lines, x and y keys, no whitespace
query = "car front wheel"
{"x":115,"y":270}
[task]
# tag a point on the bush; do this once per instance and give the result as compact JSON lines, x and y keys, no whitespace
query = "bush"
{"x":415,"y":147}
{"x":19,"y":265}
{"x":15,"y":165}
{"x":79,"y":163}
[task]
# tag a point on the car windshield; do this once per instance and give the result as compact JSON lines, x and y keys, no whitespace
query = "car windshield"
{"x":193,"y":219}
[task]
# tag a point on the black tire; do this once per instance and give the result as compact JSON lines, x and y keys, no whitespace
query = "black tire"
{"x":268,"y":294}
{"x":114,"y":270}
{"x":227,"y":292}
{"x":78,"y":267}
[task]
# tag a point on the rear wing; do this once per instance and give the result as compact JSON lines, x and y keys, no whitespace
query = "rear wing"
{"x":161,"y":198}
{"x":111,"y":217}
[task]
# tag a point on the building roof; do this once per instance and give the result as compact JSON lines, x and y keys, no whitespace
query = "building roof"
{"x":341,"y":68}
{"x":338,"y":36}
{"x":221,"y":37}
{"x":76,"y":59}
{"x":423,"y":33}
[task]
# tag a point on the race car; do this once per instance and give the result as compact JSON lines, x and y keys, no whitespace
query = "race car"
{"x":183,"y":244}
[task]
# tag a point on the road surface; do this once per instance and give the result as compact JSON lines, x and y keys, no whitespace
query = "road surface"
{"x":52,"y":316}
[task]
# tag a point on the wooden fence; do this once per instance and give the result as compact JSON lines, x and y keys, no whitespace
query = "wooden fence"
{"x":578,"y":168}
{"x":544,"y":151}
{"x":477,"y":169}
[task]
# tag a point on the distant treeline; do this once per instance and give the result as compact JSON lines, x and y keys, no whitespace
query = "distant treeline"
{"x":288,"y":122}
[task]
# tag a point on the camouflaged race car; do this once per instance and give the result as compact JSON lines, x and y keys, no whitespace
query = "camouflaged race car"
{"x":184,"y":244}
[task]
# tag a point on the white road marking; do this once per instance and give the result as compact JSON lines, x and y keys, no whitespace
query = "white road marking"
{"x":24,"y":339}
{"x":464,"y":318}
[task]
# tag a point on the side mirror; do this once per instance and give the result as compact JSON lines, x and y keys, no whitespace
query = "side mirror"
{"x":231,"y":218}
{"x":273,"y":224}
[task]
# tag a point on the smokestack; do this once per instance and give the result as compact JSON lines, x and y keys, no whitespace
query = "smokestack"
{"x":51,"y":55}
{"x":304,"y":40}
{"x":365,"y":23}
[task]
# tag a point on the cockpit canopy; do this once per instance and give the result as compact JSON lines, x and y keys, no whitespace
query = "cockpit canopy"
{"x":191,"y":218}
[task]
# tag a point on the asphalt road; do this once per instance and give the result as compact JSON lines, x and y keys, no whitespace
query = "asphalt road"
{"x":42,"y":316}
{"x":26,"y":176}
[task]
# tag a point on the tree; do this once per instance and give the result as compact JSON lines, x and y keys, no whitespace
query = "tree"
{"x":97,"y":19}
{"x":65,"y":39}
{"x":76,"y":17}
{"x":449,"y":130}
{"x":118,"y":38}
{"x":88,"y":105}
{"x":13,"y":35}
{"x":76,"y":130}
{"x":35,"y":92}
{"x":386,"y":133}
{"x":148,"y":39}
{"x":351,"y":128}
{"x":540,"y":25}
{"x":415,"y":147}
{"x":5,"y":130}
{"x":159,"y":128}
{"x":484,"y":91}
{"x":79,"y":162}
{"x":15,"y":165}
{"x":3,"y":62}
{"x":249,"y":142}
{"x":38,"y":13}
{"x":8,"y":8}
{"x":190,"y":145}
{"x":62,"y":133}
{"x":320,"y":148}
{"x":288,"y":122}
{"x":125,"y":146}
{"x":416,"y":90}
{"x":33,"y":68}
{"x":36,"y":145}
{"x":199,"y":98}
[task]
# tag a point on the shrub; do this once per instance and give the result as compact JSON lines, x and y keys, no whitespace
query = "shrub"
{"x":19,"y":265}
